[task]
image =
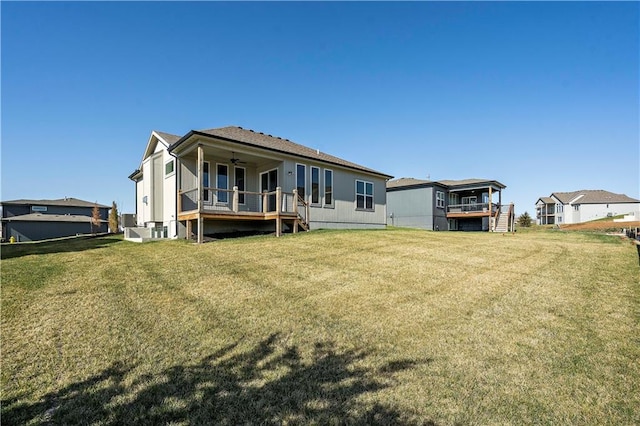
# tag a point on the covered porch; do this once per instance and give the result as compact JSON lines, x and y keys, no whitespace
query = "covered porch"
{"x":474,"y":204}
{"x":220,"y":185}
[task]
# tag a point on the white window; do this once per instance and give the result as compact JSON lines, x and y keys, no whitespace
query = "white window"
{"x":301,"y":180}
{"x":168,"y":168}
{"x":328,"y":187}
{"x":559,"y":208}
{"x":364,"y":195}
{"x":440,"y":199}
{"x":576,"y":207}
{"x":222,"y":182}
{"x":315,"y":185}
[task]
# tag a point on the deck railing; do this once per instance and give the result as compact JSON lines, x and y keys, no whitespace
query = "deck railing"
{"x":234,"y":201}
{"x":472,"y":208}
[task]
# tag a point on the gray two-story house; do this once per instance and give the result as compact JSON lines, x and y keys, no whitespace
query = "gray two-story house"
{"x":34,"y":220}
{"x":454,"y":205}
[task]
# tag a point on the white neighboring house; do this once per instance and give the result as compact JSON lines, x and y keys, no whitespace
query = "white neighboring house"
{"x":231,"y":179}
{"x":583,"y":206}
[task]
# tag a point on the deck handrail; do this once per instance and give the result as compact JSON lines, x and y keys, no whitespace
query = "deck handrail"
{"x":235,"y":200}
{"x":473,"y":207}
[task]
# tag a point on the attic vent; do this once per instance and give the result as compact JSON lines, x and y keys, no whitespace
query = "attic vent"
{"x":251,"y":131}
{"x":270,"y":136}
{"x":239,"y":127}
{"x":261,"y":133}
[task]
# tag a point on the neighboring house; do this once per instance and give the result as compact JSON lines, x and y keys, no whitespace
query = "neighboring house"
{"x":454,"y":205}
{"x":582,"y":206}
{"x":232,"y":179}
{"x":34,"y":220}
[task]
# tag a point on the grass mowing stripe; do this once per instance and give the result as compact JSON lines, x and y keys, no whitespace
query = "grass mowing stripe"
{"x":375,"y":327}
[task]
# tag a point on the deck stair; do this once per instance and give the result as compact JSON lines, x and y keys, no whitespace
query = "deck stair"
{"x":504,"y":220}
{"x":302,"y":210}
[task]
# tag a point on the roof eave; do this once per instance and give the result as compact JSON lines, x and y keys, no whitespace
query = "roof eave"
{"x":135,"y":174}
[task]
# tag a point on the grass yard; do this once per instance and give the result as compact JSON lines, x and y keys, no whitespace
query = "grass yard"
{"x":329,"y":327}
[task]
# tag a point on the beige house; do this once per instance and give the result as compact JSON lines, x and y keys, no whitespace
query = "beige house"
{"x":583,"y":206}
{"x":230,"y":179}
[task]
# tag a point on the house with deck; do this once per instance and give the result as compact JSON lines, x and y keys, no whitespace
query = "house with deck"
{"x":583,"y":206}
{"x":35,"y":220}
{"x":231,"y":179}
{"x":454,"y":205}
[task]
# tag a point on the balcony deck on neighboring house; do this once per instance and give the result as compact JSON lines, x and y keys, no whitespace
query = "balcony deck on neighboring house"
{"x":455,"y":211}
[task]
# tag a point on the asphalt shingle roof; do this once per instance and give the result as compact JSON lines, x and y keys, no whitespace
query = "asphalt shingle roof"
{"x":66,"y":202}
{"x":403,"y":182}
{"x":274,"y":143}
{"x":41,"y":217}
{"x":591,"y":196}
{"x":168,"y":137}
{"x":547,"y":200}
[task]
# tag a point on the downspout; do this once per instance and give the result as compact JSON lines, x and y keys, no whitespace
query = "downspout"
{"x":136,"y":183}
{"x":178,"y":180}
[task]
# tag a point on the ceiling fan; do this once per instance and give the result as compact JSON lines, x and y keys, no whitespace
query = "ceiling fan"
{"x":235,"y":160}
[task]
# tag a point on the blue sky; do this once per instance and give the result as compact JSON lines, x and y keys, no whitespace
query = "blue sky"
{"x":543,"y":97}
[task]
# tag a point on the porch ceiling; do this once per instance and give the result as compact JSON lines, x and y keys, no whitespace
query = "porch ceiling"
{"x":224,"y":154}
{"x":475,"y":189}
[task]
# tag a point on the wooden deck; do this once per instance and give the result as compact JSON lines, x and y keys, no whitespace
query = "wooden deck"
{"x":462,"y":215}
{"x":229,"y":215}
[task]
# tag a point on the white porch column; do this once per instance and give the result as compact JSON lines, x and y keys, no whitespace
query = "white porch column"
{"x":235,"y":200}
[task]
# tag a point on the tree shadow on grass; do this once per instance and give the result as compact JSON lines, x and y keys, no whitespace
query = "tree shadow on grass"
{"x":267,"y":384}
{"x":88,"y":242}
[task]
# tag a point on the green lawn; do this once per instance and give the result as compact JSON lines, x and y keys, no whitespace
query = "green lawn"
{"x":328,"y":327}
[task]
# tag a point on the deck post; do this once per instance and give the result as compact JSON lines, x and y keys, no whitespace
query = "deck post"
{"x":492,"y":224}
{"x":200,"y":193}
{"x":235,"y":199}
{"x":278,"y":210}
{"x":295,"y":211}
{"x":189,"y":229}
{"x":265,"y":206}
{"x":278,"y":200}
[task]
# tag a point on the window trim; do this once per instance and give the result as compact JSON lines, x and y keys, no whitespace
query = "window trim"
{"x":241,"y":197}
{"x":205,"y":193}
{"x":365,"y":196}
{"x":318,"y":201}
{"x":324,"y":192}
{"x":217,"y":187}
{"x":305,"y":195}
{"x":173,"y":168}
{"x":440,"y":204}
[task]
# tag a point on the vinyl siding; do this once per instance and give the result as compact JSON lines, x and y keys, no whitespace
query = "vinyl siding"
{"x":36,"y":231}
{"x":157,"y":171}
{"x":412,"y":208}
